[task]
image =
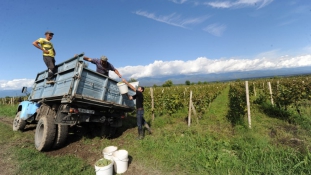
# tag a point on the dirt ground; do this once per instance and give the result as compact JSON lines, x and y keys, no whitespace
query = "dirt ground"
{"x":73,"y":146}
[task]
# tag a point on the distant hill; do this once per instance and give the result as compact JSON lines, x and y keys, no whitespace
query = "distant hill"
{"x":228,"y":76}
{"x":13,"y":93}
{"x":10,"y":93}
{"x":181,"y":79}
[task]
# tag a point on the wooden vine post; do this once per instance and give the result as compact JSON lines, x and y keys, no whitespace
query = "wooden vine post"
{"x":192,"y":109}
{"x":194,"y":112}
{"x":152,"y":103}
{"x":254,"y":88}
{"x":248,"y":106}
{"x":189,"y":113}
{"x":270,"y":90}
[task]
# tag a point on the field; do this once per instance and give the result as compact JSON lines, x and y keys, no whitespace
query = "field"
{"x":218,"y":141}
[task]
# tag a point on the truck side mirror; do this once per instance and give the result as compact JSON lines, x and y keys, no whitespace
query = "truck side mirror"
{"x":24,"y":90}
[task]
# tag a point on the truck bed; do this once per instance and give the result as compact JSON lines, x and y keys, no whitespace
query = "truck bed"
{"x":76,"y":83}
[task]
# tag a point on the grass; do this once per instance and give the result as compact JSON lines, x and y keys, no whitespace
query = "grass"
{"x":34,"y":162}
{"x":19,"y":149}
{"x":8,"y":110}
{"x":211,"y":146}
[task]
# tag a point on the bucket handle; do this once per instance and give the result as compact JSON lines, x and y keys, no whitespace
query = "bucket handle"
{"x":120,"y":159}
{"x":99,"y":169}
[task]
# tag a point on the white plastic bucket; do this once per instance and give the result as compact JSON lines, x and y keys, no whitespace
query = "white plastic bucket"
{"x":108,"y":151}
{"x":120,"y":154}
{"x":122,"y":88}
{"x":105,"y":170}
{"x":135,"y":84}
{"x":120,"y":159}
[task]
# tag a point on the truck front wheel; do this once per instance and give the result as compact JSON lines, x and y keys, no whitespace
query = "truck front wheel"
{"x":18,"y":123}
{"x":45,"y":133}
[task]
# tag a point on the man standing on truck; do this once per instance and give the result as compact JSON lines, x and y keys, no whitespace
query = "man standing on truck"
{"x":102,"y":65}
{"x":49,"y":53}
{"x":140,"y":109}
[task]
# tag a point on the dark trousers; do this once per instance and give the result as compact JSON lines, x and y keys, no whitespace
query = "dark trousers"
{"x":140,"y":119}
{"x":50,"y":64}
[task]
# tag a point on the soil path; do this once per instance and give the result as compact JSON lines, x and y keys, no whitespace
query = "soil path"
{"x":74,"y":146}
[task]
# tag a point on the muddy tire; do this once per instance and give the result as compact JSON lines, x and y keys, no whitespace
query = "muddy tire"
{"x":18,"y":123}
{"x":45,"y":133}
{"x":60,"y":136}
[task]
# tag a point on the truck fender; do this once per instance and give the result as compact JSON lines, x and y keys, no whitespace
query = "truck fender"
{"x":28,"y":109}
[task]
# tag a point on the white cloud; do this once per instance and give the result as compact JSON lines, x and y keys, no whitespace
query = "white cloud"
{"x":203,"y":65}
{"x":239,"y":3}
{"x":15,"y":84}
{"x":288,"y":22}
{"x":218,"y":4}
{"x":265,"y":3}
{"x":215,"y":29}
{"x":172,"y":19}
{"x":178,"y":1}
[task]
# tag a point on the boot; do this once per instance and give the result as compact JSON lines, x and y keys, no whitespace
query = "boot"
{"x":148,"y":128}
{"x":140,"y":134}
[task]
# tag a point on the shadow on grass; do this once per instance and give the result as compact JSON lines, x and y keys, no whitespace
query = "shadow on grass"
{"x":275,"y":112}
{"x":93,"y":130}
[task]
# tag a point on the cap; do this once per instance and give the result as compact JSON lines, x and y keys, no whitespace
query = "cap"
{"x":49,"y":32}
{"x":103,"y":58}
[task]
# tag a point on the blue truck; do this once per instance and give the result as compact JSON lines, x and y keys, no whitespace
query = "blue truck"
{"x":79,"y":95}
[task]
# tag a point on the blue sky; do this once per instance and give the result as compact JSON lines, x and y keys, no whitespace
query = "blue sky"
{"x":156,"y":37}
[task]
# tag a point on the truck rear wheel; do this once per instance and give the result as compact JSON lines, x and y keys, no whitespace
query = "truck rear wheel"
{"x":45,"y":133}
{"x":18,"y":123}
{"x":61,"y":135}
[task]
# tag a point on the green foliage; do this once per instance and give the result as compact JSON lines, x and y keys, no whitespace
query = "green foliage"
{"x":168,"y":83}
{"x":8,"y":100}
{"x":274,"y":112}
{"x":237,"y":103}
{"x":169,"y":100}
{"x":275,"y":77}
{"x":172,"y":103}
{"x":187,"y":82}
{"x":261,"y":99}
{"x":132,"y":80}
{"x":103,"y":162}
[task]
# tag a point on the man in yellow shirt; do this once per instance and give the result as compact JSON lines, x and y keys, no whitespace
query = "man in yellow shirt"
{"x":49,"y":53}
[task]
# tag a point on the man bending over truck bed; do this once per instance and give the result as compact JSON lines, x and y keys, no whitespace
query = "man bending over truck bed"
{"x":102,"y":65}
